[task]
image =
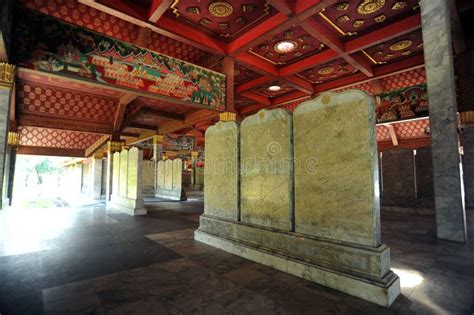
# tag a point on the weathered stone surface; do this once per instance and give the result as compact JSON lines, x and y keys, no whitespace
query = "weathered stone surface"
{"x":160,"y":179}
{"x":336,"y":170}
{"x":168,"y":174}
{"x":134,"y":174}
{"x":170,"y":180}
{"x":4,"y":109}
{"x":266,"y":169}
{"x":116,"y":174}
{"x":221,"y":189}
{"x":128,"y":172}
{"x":448,"y":184}
{"x":177,"y":174}
{"x":123,"y":173}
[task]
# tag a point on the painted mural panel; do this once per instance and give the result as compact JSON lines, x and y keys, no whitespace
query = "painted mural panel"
{"x":406,"y":103}
{"x":50,"y":45}
{"x":178,"y":142}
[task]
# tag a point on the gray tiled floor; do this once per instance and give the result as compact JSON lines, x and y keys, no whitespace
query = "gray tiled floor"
{"x":93,"y":261}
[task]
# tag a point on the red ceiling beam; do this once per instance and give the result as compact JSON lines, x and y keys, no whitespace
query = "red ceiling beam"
{"x":256,"y":35}
{"x":252,"y":84}
{"x":158,"y":8}
{"x":190,"y":33}
{"x":308,"y":62}
{"x":321,"y":33}
{"x":383,"y":34}
{"x":289,"y":98}
{"x":282,"y":5}
{"x":276,"y":24}
{"x":257,"y":64}
{"x":380,"y":71}
{"x":257,"y":98}
{"x":299,"y":84}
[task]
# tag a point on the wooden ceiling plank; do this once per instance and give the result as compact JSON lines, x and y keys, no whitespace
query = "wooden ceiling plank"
{"x":41,"y":121}
{"x":252,"y":84}
{"x":309,"y":62}
{"x":299,"y":84}
{"x":141,"y":126}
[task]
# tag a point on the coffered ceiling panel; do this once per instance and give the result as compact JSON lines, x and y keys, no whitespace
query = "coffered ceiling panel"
{"x":221,"y":19}
{"x":288,"y":46}
{"x":352,"y":18}
{"x":329,"y":71}
{"x":396,"y":49}
{"x":276,"y":88}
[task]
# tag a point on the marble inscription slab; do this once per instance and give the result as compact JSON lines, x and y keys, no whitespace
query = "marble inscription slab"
{"x":336,"y":168}
{"x":221,"y":189}
{"x":168,"y":174}
{"x":266,"y":165}
{"x":177,"y":174}
{"x":133,"y":171}
{"x":123,"y":173}
{"x":160,"y":175}
{"x":116,"y":174}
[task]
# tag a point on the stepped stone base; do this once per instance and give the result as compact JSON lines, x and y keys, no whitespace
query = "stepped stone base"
{"x":127,"y":205}
{"x":361,"y":271}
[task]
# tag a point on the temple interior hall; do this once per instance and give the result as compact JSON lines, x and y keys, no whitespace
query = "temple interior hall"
{"x":237,"y":157}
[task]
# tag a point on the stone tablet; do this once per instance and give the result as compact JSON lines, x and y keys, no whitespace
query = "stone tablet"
{"x":116,"y":174}
{"x":160,"y":175}
{"x":221,"y":172}
{"x":266,"y":169}
{"x":177,"y":174}
{"x":134,"y":168}
{"x":123,"y":173}
{"x":168,"y":174}
{"x":336,"y":168}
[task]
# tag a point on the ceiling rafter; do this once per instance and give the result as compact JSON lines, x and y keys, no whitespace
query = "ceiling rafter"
{"x":123,"y":102}
{"x":257,"y":98}
{"x":158,"y":8}
{"x":282,"y":5}
{"x":321,"y":33}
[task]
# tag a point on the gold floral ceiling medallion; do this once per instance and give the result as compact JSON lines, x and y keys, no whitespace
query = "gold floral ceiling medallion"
{"x":326,"y":70}
{"x":358,"y":23}
{"x":400,"y":5}
{"x":220,"y":9}
{"x":401,"y":45}
{"x":380,"y":18}
{"x":370,"y":6}
{"x":193,"y":10}
{"x":406,"y":53}
{"x":342,"y":6}
{"x":343,"y":19}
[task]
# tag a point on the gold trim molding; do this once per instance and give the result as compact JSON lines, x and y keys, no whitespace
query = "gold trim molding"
{"x":114,"y":146}
{"x":7,"y":74}
{"x":13,"y":138}
{"x":467,"y":117}
{"x":227,"y":116}
{"x":337,"y":28}
{"x":157,"y":139}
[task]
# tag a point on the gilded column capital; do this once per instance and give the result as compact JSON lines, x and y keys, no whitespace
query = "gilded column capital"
{"x":158,"y":139}
{"x":227,"y":116}
{"x":7,"y":74}
{"x":13,"y":138}
{"x":114,"y":146}
{"x":98,"y":154}
{"x":194,"y":154}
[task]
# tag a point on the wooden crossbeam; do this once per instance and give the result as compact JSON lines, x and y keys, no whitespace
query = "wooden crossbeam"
{"x":45,"y":121}
{"x":393,"y":134}
{"x":282,"y":5}
{"x":141,"y":126}
{"x":160,"y":114}
{"x":123,"y":102}
{"x":96,"y":145}
{"x":318,"y":31}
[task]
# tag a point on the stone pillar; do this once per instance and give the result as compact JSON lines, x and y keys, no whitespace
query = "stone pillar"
{"x":112,"y":147}
{"x":448,"y":183}
{"x":6,"y":86}
{"x":96,"y":176}
{"x":157,"y":147}
{"x":194,"y":157}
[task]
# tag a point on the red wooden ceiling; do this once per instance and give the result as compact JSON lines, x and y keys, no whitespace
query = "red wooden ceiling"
{"x":359,"y":40}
